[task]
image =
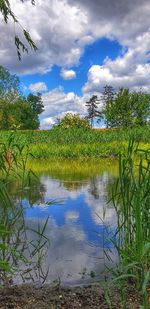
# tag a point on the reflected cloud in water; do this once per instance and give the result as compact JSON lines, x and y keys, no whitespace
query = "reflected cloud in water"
{"x":77,"y":227}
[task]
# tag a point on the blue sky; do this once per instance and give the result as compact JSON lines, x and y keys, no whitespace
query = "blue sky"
{"x":94,"y":53}
{"x":82,"y":46}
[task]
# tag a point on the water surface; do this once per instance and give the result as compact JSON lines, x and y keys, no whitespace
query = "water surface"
{"x":80,"y":219}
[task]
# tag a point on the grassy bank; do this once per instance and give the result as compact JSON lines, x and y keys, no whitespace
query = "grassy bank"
{"x":78,"y":143}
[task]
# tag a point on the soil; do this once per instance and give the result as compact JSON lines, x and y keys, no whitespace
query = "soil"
{"x":45,"y":297}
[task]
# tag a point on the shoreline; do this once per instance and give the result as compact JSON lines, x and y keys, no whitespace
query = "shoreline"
{"x":47,"y":297}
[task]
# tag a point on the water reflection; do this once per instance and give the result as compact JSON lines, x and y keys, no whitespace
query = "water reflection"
{"x":78,"y":221}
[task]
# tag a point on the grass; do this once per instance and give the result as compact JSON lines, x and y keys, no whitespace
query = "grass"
{"x":131,"y":199}
{"x":79,"y":143}
{"x":18,"y":255}
{"x":74,"y":169}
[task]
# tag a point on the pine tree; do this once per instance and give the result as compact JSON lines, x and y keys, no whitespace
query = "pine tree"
{"x":108,"y":96}
{"x":92,"y":105}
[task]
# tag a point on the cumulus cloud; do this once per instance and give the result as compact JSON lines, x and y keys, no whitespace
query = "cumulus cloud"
{"x":38,"y":87}
{"x":55,"y":26}
{"x":57,"y":103}
{"x":117,"y":19}
{"x":68,"y":74}
{"x":61,"y":30}
{"x":129,"y":70}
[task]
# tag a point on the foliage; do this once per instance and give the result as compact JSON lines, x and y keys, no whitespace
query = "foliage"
{"x":81,"y":136}
{"x":73,"y":121}
{"x":9,"y":85}
{"x":131,"y":199}
{"x":78,"y":142}
{"x":7,"y":13}
{"x":18,"y":254}
{"x":92,"y":105}
{"x":126,"y":109}
{"x":108,"y":97}
{"x":36,"y":103}
{"x":16,"y":111}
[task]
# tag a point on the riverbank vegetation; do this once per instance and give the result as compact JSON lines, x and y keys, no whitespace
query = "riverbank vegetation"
{"x":131,"y":199}
{"x":79,"y":143}
{"x":126,"y":116}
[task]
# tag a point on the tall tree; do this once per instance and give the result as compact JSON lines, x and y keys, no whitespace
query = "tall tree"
{"x":127,"y":109}
{"x":92,"y":106}
{"x":9,"y":85}
{"x":7,"y":13}
{"x":108,"y":96}
{"x":36,"y":102}
{"x":16,"y":111}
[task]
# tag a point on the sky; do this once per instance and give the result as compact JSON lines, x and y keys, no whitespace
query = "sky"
{"x":82,"y":46}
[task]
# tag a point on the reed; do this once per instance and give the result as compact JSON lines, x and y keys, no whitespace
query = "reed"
{"x":131,"y":199}
{"x":18,"y":255}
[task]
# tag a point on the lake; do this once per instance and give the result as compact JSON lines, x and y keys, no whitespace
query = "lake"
{"x":74,"y":196}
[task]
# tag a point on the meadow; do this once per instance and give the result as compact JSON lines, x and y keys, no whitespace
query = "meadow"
{"x":78,"y":143}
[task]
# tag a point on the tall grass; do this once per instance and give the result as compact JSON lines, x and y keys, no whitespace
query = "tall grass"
{"x":77,"y":136}
{"x":18,"y":255}
{"x":131,"y":199}
{"x":76,"y":143}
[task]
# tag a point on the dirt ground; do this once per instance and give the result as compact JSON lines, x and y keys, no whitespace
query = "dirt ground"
{"x":30,"y":297}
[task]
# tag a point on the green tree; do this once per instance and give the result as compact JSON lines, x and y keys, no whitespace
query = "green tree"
{"x":73,"y":120}
{"x":7,"y":13}
{"x":9,"y":85}
{"x":127,"y":109}
{"x":108,"y":96}
{"x":92,"y":106}
{"x":36,"y":102}
{"x":16,"y":111}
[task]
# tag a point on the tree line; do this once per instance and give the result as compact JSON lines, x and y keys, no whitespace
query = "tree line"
{"x":116,"y":109}
{"x":16,"y":110}
{"x":120,"y":109}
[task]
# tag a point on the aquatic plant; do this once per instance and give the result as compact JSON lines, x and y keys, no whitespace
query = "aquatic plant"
{"x":18,"y":254}
{"x":131,"y":199}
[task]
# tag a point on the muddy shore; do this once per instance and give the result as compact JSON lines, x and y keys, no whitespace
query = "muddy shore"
{"x":46,"y":297}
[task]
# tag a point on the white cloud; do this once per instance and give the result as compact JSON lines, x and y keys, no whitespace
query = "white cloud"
{"x":55,"y":26}
{"x":71,"y":216}
{"x":62,"y":28}
{"x":129,"y":70}
{"x":68,"y":74}
{"x":38,"y":87}
{"x":57,"y":103}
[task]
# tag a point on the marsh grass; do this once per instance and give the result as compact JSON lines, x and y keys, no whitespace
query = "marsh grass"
{"x":131,"y":199}
{"x":18,"y":255}
{"x":79,"y":143}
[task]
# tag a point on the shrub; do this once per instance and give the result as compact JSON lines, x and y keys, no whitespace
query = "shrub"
{"x":73,"y":120}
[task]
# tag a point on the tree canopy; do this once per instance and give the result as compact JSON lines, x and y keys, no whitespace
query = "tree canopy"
{"x":16,"y":110}
{"x":125,"y":108}
{"x":72,"y":121}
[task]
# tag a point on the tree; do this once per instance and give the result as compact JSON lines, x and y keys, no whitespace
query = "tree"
{"x":7,"y":13}
{"x":127,"y":109}
{"x":9,"y":85}
{"x":73,"y":121}
{"x":108,"y":96}
{"x":36,"y":102}
{"x":17,"y":111}
{"x":92,"y":105}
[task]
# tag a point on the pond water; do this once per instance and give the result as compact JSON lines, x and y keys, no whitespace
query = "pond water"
{"x":73,"y":195}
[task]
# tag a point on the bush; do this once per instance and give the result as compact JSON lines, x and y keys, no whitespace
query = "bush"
{"x":73,"y":120}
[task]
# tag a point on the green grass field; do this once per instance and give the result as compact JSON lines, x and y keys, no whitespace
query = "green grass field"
{"x":78,"y":143}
